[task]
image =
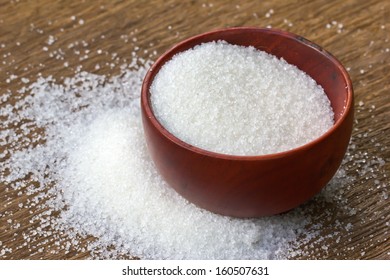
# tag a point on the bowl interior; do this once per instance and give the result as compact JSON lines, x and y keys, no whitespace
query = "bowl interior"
{"x":296,"y":50}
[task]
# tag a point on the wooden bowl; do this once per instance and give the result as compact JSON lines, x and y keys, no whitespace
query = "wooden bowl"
{"x":254,"y":186}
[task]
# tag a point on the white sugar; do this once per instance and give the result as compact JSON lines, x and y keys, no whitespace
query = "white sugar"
{"x":238,"y":100}
{"x":79,"y":151}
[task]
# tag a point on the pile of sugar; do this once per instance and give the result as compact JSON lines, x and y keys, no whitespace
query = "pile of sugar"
{"x":114,"y":191}
{"x":238,"y":100}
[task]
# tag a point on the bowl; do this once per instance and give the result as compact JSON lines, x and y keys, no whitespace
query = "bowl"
{"x":255,"y":186}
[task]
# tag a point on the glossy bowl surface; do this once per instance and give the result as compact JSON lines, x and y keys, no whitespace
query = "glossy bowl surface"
{"x":254,"y":186}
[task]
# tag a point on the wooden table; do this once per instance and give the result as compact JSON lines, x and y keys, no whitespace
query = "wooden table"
{"x":356,"y":32}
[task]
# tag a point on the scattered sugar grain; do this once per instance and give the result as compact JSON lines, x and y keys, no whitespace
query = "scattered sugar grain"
{"x":238,"y":100}
{"x":25,"y":80}
{"x":51,"y":40}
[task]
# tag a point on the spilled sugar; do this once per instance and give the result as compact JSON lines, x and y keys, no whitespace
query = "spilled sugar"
{"x":238,"y":100}
{"x":113,"y":184}
{"x":91,"y":166}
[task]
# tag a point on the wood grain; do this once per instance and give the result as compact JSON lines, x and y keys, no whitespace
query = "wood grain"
{"x":356,"y":32}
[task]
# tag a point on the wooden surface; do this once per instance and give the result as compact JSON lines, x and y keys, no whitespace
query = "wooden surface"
{"x":356,"y":32}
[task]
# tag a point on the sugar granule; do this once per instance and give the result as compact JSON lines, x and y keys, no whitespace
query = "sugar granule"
{"x":238,"y":100}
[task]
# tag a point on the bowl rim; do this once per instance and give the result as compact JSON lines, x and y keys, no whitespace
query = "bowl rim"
{"x":147,"y":108}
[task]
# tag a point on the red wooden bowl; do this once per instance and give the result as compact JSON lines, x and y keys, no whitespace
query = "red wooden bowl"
{"x":253,"y":186}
